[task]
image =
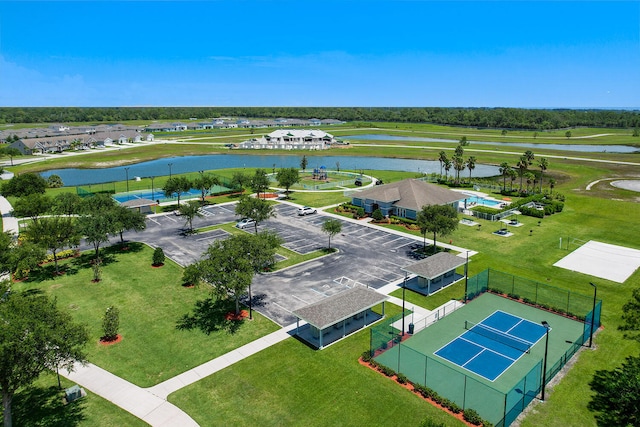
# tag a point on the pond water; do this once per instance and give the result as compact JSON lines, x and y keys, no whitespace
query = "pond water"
{"x":185,"y":164}
{"x":566,"y":147}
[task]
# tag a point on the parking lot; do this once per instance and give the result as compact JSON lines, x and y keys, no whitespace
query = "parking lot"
{"x":367,"y":255}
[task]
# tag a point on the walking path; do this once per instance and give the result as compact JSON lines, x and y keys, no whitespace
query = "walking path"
{"x":9,"y":222}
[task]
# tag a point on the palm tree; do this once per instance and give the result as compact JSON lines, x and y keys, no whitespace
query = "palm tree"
{"x":458,"y":164}
{"x":471,"y":165}
{"x":552,"y":184}
{"x":512,"y":175}
{"x":543,"y":164}
{"x":442,"y":158}
{"x":522,"y":166}
{"x":530,"y":156}
{"x":447,"y":168}
{"x":504,"y":171}
{"x":530,"y":177}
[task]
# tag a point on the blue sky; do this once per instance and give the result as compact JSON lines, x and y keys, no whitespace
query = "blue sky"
{"x":573,"y":54}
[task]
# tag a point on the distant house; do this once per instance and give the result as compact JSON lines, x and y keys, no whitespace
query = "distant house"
{"x":404,"y":198}
{"x":291,"y":139}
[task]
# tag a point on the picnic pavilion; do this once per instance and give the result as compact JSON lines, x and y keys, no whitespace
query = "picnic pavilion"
{"x":434,"y":273}
{"x":338,"y":316}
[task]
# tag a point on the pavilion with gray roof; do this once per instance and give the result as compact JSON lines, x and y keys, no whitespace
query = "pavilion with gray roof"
{"x":141,"y":205}
{"x":339,"y":315}
{"x":435,"y":273}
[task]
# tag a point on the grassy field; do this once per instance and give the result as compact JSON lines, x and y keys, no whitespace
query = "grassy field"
{"x":166,"y":328}
{"x":291,"y":384}
{"x":42,"y":405}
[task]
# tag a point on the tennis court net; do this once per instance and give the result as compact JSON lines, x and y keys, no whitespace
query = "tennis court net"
{"x":499,"y":336}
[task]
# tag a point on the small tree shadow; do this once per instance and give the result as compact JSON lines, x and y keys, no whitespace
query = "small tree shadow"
{"x":37,"y":406}
{"x":209,"y":316}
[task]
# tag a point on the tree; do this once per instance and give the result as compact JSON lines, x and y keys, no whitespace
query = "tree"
{"x":35,"y":337}
{"x":176,"y":185}
{"x":442,"y":158}
{"x":32,"y":205}
{"x":543,"y":164}
{"x":513,"y":175}
{"x":158,"y":257}
{"x":522,"y":166}
{"x":256,"y":209}
{"x":126,"y":219}
{"x":331,"y":227}
{"x":616,"y":398}
{"x":529,"y":156}
{"x":11,"y":151}
{"x":66,"y":203}
{"x":459,"y":151}
{"x":24,"y":184}
{"x":96,"y":229}
{"x":54,"y":181}
{"x":226,"y":267}
{"x":97,"y":204}
{"x":459,"y":165}
{"x":636,"y":132}
{"x":260,"y":181}
{"x":504,"y":171}
{"x":239,"y":180}
{"x":287,"y":177}
{"x":53,"y":234}
{"x":631,"y":316}
{"x":260,"y":249}
{"x":303,"y":163}
{"x":447,"y":168}
{"x":552,"y":184}
{"x":189,"y":211}
{"x":18,"y":259}
{"x":471,"y":165}
{"x":464,"y":141}
{"x":568,"y":134}
{"x":530,"y":178}
{"x":110,"y":323}
{"x":204,"y":184}
{"x":438,"y":219}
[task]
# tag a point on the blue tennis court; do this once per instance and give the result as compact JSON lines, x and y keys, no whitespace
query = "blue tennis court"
{"x":490,"y":347}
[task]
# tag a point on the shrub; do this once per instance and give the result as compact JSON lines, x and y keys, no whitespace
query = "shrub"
{"x":402,"y":378}
{"x":360,"y":212}
{"x":387,"y":371}
{"x":158,"y":256}
{"x":472,"y":416}
{"x":111,"y":323}
{"x":366,"y":356}
{"x":453,"y":406}
{"x":429,"y":423}
{"x":377,"y":215}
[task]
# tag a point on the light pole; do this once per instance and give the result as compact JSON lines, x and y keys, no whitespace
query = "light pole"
{"x":153,"y":196}
{"x":546,"y":348}
{"x":126,"y":171}
{"x":466,"y":278}
{"x":404,"y":287}
{"x":593,"y":312}
{"x":250,"y":311}
{"x":170,"y":164}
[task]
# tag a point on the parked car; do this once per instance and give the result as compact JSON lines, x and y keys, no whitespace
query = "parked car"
{"x":245,"y":222}
{"x":306,"y":210}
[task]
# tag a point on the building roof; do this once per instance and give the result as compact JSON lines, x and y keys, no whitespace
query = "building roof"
{"x":435,"y":265}
{"x":410,"y":194}
{"x":338,"y":307}
{"x":299,"y":133}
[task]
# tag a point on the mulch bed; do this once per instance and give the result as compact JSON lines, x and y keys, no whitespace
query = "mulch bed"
{"x":157,"y":265}
{"x":104,"y":341}
{"x":232,"y":316}
{"x":268,"y":196}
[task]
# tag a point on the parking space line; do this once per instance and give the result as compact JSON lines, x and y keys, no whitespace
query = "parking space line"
{"x":375,"y":277}
{"x":278,"y":305}
{"x":394,"y":240}
{"x":298,"y":298}
{"x":153,"y":220}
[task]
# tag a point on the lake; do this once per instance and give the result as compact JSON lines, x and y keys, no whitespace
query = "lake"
{"x":72,"y":177}
{"x":533,"y":146}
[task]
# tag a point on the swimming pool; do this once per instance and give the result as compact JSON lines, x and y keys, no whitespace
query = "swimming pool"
{"x":157,"y":195}
{"x":474,"y":200}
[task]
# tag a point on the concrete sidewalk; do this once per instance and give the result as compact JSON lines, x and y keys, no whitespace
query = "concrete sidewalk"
{"x":138,"y":401}
{"x":9,"y":222}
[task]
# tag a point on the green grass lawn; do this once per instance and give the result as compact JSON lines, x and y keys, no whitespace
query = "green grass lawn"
{"x":152,"y":304}
{"x":291,"y":384}
{"x":41,"y":404}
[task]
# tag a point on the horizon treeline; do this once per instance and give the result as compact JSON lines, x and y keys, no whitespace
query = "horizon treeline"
{"x":500,"y":118}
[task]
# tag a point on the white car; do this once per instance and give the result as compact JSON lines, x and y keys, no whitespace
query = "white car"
{"x":306,"y":210}
{"x":244,"y":223}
